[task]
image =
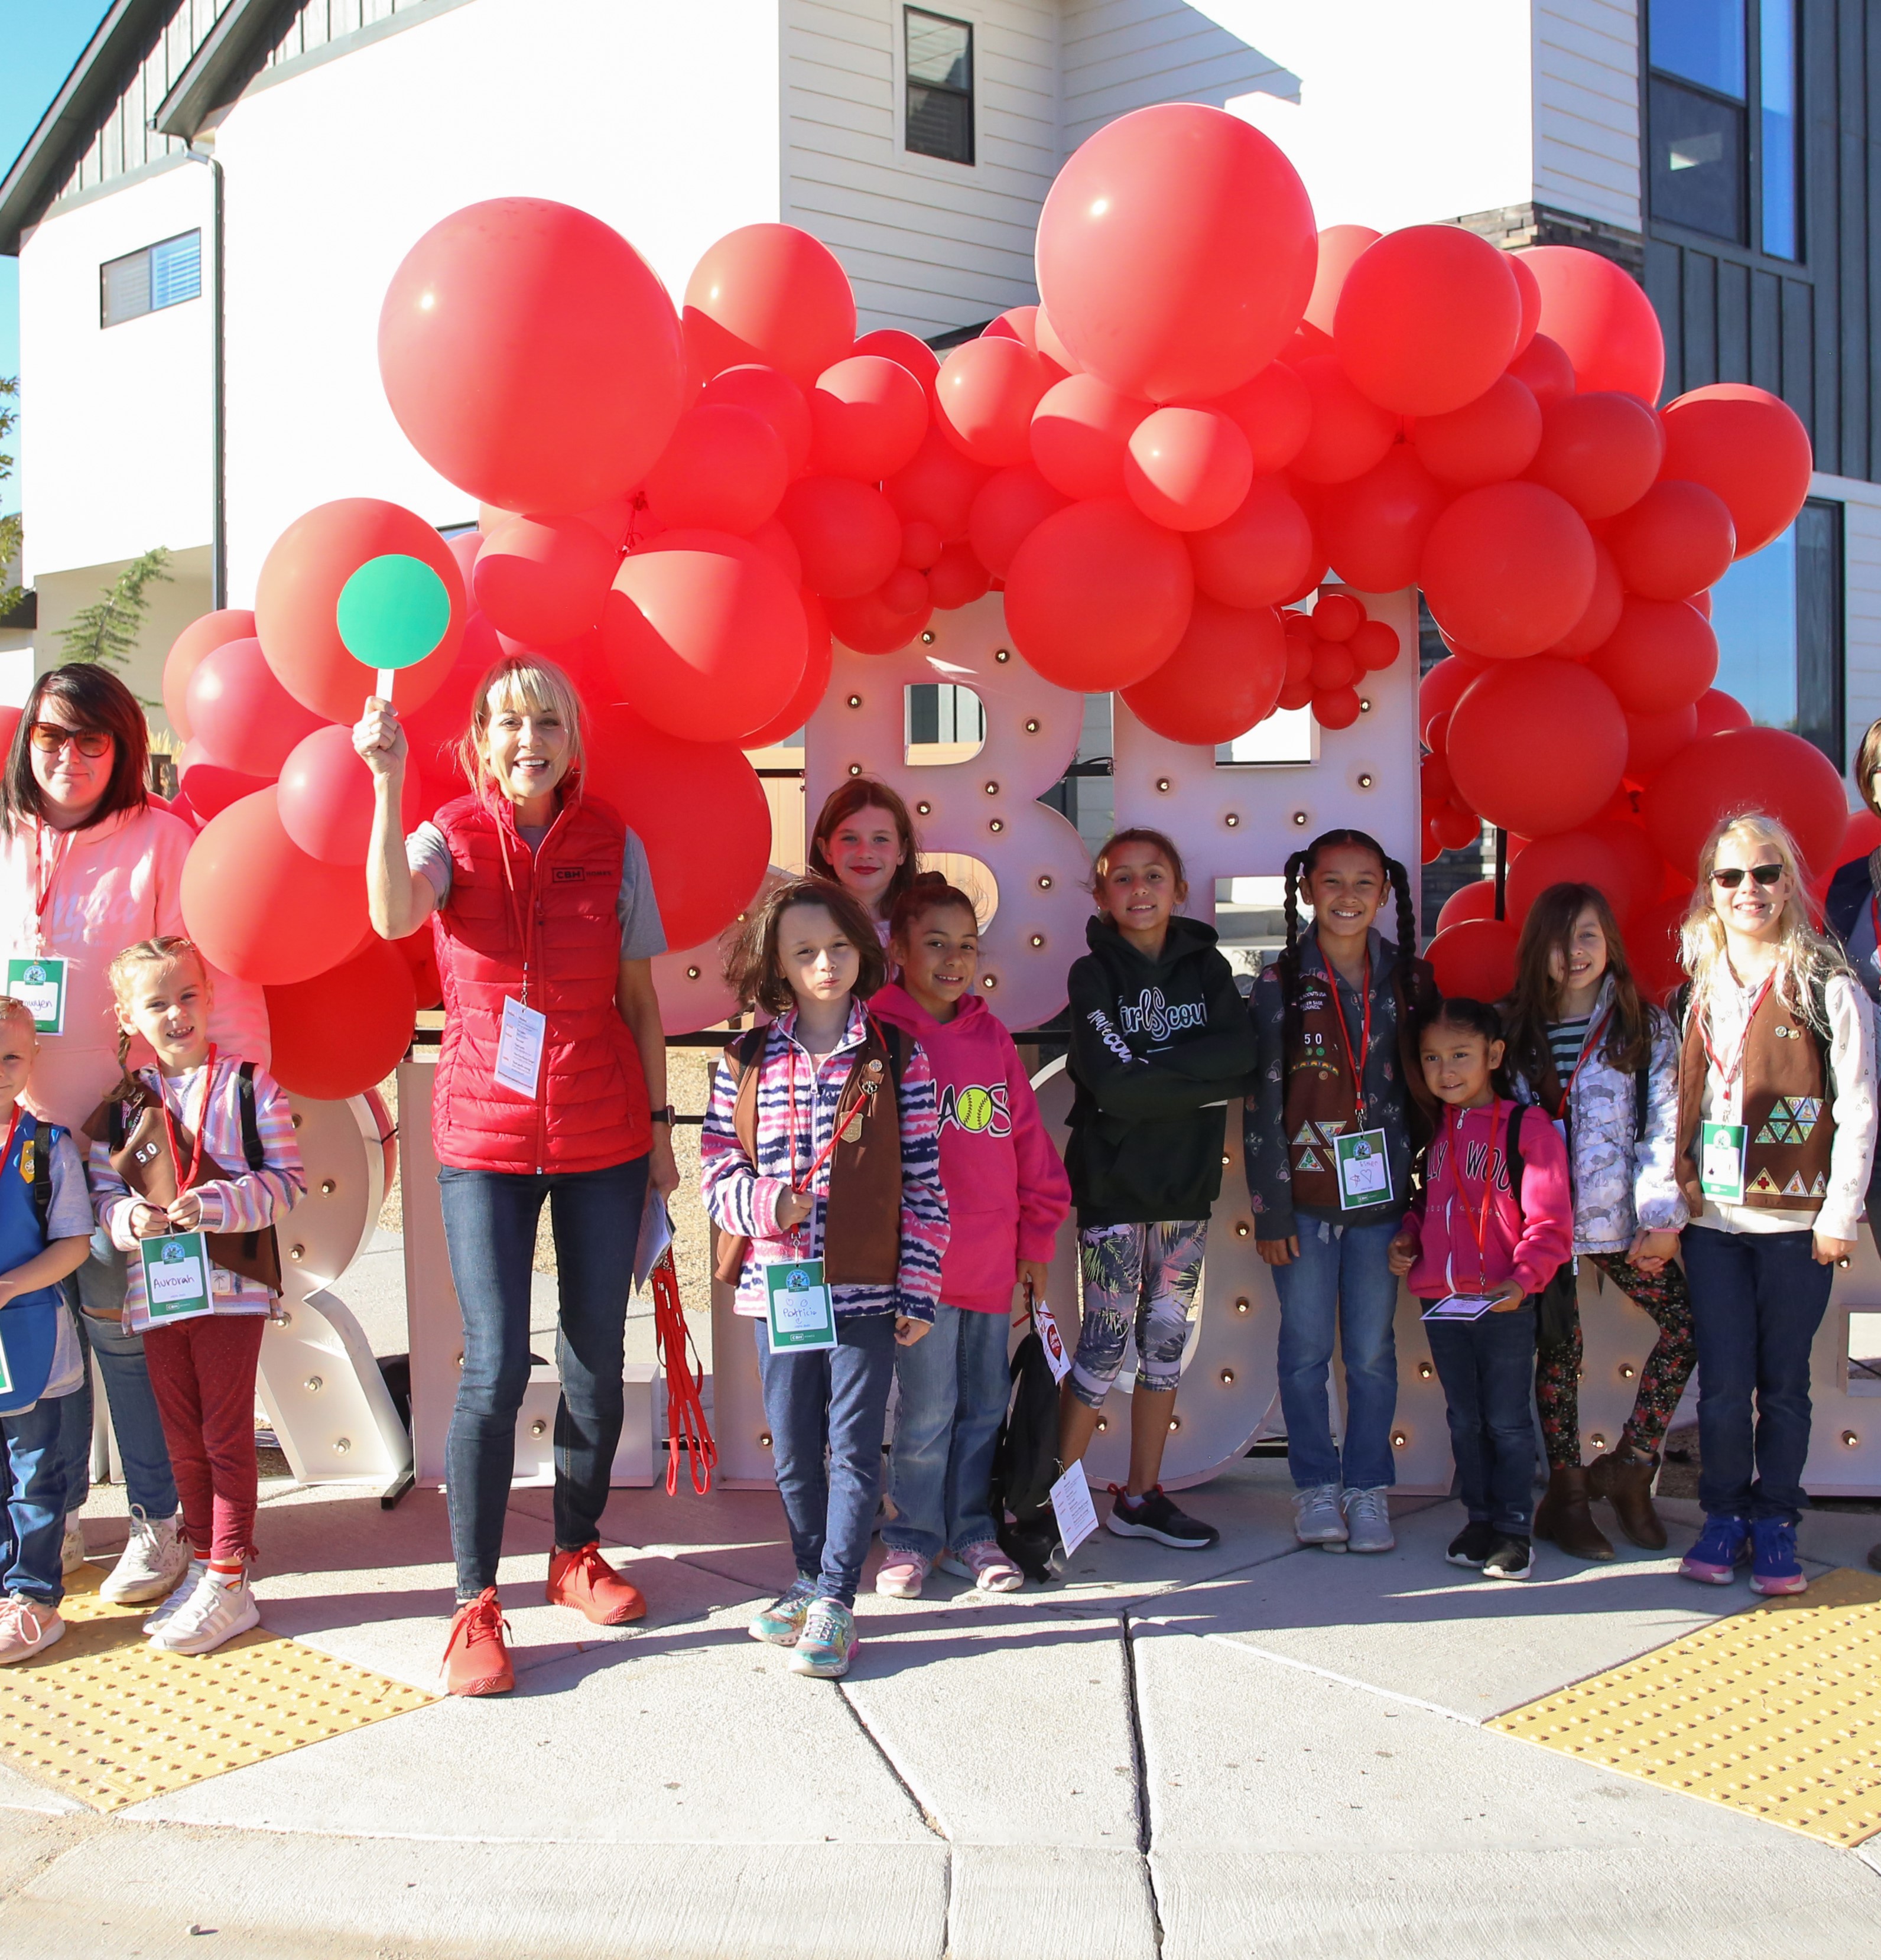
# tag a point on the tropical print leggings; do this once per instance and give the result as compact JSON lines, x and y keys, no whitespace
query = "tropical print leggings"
{"x":1661,"y":1381}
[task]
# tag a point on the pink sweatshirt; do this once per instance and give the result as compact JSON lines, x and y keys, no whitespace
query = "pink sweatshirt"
{"x":119,"y":882}
{"x":1006,"y":1188}
{"x":1529,"y":1241}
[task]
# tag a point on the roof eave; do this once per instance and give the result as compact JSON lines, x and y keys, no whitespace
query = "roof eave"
{"x":199,"y":91}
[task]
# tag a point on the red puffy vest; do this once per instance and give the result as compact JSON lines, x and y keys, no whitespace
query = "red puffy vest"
{"x":591,"y":1107}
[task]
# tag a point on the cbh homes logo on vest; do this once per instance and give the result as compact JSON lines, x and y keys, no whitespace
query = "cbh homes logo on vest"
{"x":1153,"y":1015}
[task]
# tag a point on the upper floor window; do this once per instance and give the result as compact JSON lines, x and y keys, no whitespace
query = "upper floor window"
{"x":939,"y":115}
{"x":163,"y":274}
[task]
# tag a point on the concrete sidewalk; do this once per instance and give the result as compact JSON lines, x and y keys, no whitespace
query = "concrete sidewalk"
{"x":1257,"y":1751}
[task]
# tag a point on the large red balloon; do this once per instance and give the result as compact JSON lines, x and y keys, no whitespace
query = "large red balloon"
{"x":1487,"y":440}
{"x":1542,"y":367}
{"x":724,"y":470}
{"x":1508,"y":569}
{"x":296,"y":597}
{"x":867,"y":416}
{"x":847,"y":532}
{"x":1651,"y":946}
{"x":1080,"y":434}
{"x":957,"y":577}
{"x":1599,"y":451}
{"x":1098,"y":597}
{"x":531,"y":356}
{"x":1260,"y":556}
{"x":1537,"y":746}
{"x":1428,"y":319}
{"x":1602,"y":318}
{"x":803,"y":703}
{"x":1743,"y":770}
{"x":1021,"y":324}
{"x":1678,"y":538}
{"x":434,"y":727}
{"x":907,"y":350}
{"x":543,"y":579}
{"x":1476,"y":900}
{"x":210,"y":786}
{"x":1474,"y":960}
{"x":191,"y":647}
{"x":771,"y":394}
{"x":1595,"y":626}
{"x":1374,"y":529}
{"x":1176,"y":252}
{"x":1573,"y":857}
{"x":1718,"y":711}
{"x":1187,"y":468}
{"x":1652,"y":740}
{"x":259,"y":907}
{"x":771,"y":295}
{"x":873,"y":623}
{"x":984,"y":397}
{"x":326,"y":798}
{"x":1224,"y":676}
{"x":344,"y":1031}
{"x":1440,"y":690}
{"x":1749,"y":446}
{"x":243,"y":717}
{"x":938,"y":488}
{"x":1274,"y":412}
{"x":1340,"y":246}
{"x":1008,"y":509}
{"x":1660,"y":656}
{"x":1348,"y":434}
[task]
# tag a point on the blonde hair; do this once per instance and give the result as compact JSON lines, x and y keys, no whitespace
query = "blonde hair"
{"x":519,"y":682}
{"x":161,"y":951}
{"x":12,"y":1008}
{"x":1806,"y":960}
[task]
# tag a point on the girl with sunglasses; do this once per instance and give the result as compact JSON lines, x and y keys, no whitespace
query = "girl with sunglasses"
{"x":1776,"y":1132}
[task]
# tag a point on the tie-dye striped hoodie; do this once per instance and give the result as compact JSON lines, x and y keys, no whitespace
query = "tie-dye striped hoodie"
{"x":742,"y":1197}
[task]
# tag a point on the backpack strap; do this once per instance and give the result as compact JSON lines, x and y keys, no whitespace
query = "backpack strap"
{"x":895,"y":1041}
{"x":1512,"y":1153}
{"x":41,"y":1137}
{"x":251,"y":1122}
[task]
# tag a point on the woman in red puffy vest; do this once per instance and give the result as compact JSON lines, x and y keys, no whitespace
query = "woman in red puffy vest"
{"x":545,"y":921}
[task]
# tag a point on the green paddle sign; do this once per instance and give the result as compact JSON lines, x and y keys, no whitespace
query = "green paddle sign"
{"x":392,"y":612}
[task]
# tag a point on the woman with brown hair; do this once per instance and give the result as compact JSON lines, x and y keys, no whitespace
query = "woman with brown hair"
{"x":864,"y":840}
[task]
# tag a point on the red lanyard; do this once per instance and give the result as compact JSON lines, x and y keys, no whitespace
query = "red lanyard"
{"x":828,"y":1150}
{"x":1354,"y":1062}
{"x":203,"y":1123}
{"x":43,"y":879}
{"x":1479,"y":1226}
{"x":6,"y":1155}
{"x":1729,"y":1076}
{"x":525,"y":924}
{"x":1587,"y":1048}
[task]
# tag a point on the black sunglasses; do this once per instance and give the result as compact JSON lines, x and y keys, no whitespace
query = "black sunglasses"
{"x":1731,"y":878}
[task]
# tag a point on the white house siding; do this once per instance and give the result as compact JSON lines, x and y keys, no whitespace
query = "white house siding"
{"x":1586,"y":108}
{"x":1861,"y":600}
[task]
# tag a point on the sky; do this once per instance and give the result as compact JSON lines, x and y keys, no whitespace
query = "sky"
{"x":39,"y":39}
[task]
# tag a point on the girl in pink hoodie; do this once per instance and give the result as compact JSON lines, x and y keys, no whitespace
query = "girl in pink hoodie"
{"x":1479,"y":1247}
{"x":1006,"y":1196}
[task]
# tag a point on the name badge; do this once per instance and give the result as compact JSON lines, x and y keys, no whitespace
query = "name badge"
{"x":797,"y":1307}
{"x":518,"y":1048}
{"x":1459,"y":1307}
{"x":176,"y":1277}
{"x":1364,"y":1167}
{"x":41,"y":985}
{"x":1721,"y":1162}
{"x":1051,"y":1340}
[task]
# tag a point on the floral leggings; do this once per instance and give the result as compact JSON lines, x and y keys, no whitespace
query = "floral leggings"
{"x":1661,"y":1381}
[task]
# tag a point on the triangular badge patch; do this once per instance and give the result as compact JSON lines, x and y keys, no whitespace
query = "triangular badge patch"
{"x":1796,"y":1188}
{"x":1308,"y":1162}
{"x":1307,"y":1134}
{"x":1820,"y":1187}
{"x":1762,"y":1185}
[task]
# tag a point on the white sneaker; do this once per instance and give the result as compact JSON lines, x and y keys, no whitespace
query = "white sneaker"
{"x":1368,"y":1520}
{"x":1318,"y":1519}
{"x":167,"y":1611}
{"x":149,"y":1565}
{"x":71,"y":1551}
{"x":217,"y":1610}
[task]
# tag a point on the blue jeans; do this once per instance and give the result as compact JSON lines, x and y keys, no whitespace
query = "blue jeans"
{"x":98,"y":1285}
{"x":954,"y":1388}
{"x":30,"y":1561}
{"x":1757,"y":1301}
{"x":834,"y":1399}
{"x":1340,"y":1279}
{"x":1487,"y":1369}
{"x":490,"y":1228}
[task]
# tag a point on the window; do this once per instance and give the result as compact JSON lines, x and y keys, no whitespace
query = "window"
{"x":945,"y":723}
{"x":1776,"y":89}
{"x":940,"y":106}
{"x":163,"y":274}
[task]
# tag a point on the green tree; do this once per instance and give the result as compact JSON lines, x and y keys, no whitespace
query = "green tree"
{"x":107,"y":631}
{"x":9,"y":530}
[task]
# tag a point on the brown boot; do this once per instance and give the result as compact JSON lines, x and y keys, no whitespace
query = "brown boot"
{"x":1563,"y":1518}
{"x":1626,"y":1482}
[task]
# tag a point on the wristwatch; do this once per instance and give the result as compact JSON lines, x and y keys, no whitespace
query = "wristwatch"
{"x":663,"y":1115}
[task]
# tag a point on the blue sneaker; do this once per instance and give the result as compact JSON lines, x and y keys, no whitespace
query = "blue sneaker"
{"x":828,"y":1642}
{"x":1773,"y":1566}
{"x":781,"y":1622}
{"x":1722,"y":1546}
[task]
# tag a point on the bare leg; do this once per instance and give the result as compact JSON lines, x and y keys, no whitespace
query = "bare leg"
{"x":1150,"y":1413}
{"x":1078,"y":1424}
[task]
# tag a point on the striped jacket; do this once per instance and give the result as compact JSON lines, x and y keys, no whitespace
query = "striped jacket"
{"x":248,"y":1203}
{"x":742,"y":1197}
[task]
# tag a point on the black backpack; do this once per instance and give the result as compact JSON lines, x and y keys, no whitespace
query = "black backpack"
{"x":1026,"y":1462}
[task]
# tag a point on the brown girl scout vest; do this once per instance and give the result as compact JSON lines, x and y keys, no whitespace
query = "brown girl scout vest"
{"x":1321,"y":1098}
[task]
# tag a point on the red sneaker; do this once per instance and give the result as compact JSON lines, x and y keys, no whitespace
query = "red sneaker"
{"x":584,"y":1580}
{"x":476,"y":1660}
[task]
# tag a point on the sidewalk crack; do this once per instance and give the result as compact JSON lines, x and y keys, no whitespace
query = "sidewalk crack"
{"x":926,"y":1815}
{"x":1139,"y":1762}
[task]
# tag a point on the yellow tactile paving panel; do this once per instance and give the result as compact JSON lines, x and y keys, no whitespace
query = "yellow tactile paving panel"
{"x":1776,"y":1710}
{"x":106,"y":1718}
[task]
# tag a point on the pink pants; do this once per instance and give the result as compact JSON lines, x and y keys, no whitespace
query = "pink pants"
{"x":202,"y":1372}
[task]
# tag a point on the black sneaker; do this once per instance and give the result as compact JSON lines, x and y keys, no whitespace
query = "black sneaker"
{"x":1511,"y":1559}
{"x":1472,"y":1544}
{"x":1152,"y":1516}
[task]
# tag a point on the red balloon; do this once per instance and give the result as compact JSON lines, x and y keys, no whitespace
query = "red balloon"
{"x":1861,"y":837}
{"x":1529,"y":288}
{"x":871,"y":624}
{"x":984,"y":397}
{"x":433,"y":729}
{"x":1428,"y":319}
{"x":1273,"y":412}
{"x":1337,"y":707}
{"x":1595,"y":626}
{"x":1080,"y":435}
{"x":939,"y":486}
{"x":704,"y":636}
{"x":1747,"y":446}
{"x":921,"y":543}
{"x":1340,"y":246}
{"x":1718,"y":711}
{"x":1474,"y":900}
{"x":530,"y":356}
{"x":258,"y":906}
{"x":809,"y":692}
{"x":724,"y":470}
{"x":543,"y":579}
{"x":1573,"y":857}
{"x":1599,"y":451}
{"x":1009,"y":506}
{"x":847,"y":532}
{"x":771,"y":395}
{"x":1474,"y":960}
{"x":208,"y":787}
{"x":1659,"y":656}
{"x":419,"y":951}
{"x":1643,"y":868}
{"x":1374,"y":529}
{"x":867,"y":416}
{"x":1678,"y":538}
{"x":1099,"y":597}
{"x":1223,"y":677}
{"x":1338,"y":616}
{"x":1262,"y":554}
{"x":1508,"y":569}
{"x":325,"y":799}
{"x":1176,"y":252}
{"x":1187,"y":468}
{"x":699,"y":809}
{"x":905,"y":590}
{"x":1348,"y":435}
{"x":1537,"y":746}
{"x":777,"y":544}
{"x":1651,"y":946}
{"x":1602,"y":320}
{"x":1487,"y":440}
{"x":344,"y":1031}
{"x":191,"y":647}
{"x":297,"y":596}
{"x":772,"y":295}
{"x":1743,"y":770}
{"x":958,"y":578}
{"x":242,"y":717}
{"x":1333,"y":667}
{"x":1374,"y":646}
{"x":1021,"y":324}
{"x":1652,"y":740}
{"x":1456,"y":829}
{"x":907,"y":350}
{"x":1542,"y":367}
{"x":1440,"y":691}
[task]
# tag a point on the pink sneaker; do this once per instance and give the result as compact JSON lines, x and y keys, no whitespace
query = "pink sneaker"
{"x":903,"y":1574}
{"x":989,"y":1568}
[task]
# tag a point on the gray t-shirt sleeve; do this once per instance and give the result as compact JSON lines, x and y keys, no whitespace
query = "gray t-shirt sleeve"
{"x":429,"y":857}
{"x":69,"y":1215}
{"x":641,"y":934}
